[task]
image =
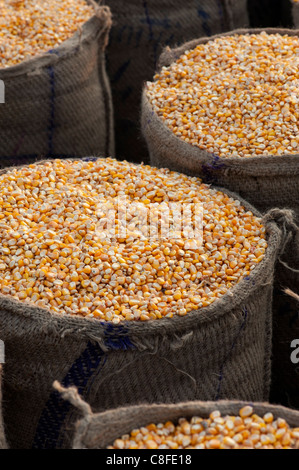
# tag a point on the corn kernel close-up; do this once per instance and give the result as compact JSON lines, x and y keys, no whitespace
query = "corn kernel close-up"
{"x":32,"y":27}
{"x":53,"y":253}
{"x":233,"y":96}
{"x":245,"y":431}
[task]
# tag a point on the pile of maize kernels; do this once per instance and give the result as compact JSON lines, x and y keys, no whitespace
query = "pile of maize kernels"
{"x":53,"y":252}
{"x":248,"y":430}
{"x":32,"y":27}
{"x":235,"y":96}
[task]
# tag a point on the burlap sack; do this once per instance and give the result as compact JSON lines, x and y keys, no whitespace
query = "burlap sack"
{"x":269,"y":13}
{"x":98,"y":431}
{"x":266,"y":182}
{"x":221,"y":351}
{"x":295,"y":13}
{"x":3,"y":444}
{"x":286,"y":15}
{"x":285,"y":373}
{"x":140,"y":30}
{"x":59,"y":103}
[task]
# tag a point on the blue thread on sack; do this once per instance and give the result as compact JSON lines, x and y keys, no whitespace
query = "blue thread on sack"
{"x":248,"y":278}
{"x":138,"y":37}
{"x":156,"y":45}
{"x":89,"y":159}
{"x":56,"y":409}
{"x":149,"y":120}
{"x":148,"y":20}
{"x":116,"y":338}
{"x":126,"y":93}
{"x":120,"y":71}
{"x":221,"y":8}
{"x":163,"y":23}
{"x":204,"y":23}
{"x":208,"y":170}
{"x":87,"y":365}
{"x":130,"y":35}
{"x":170,"y":40}
{"x":52,"y":110}
{"x":51,"y":73}
{"x":120,"y":33}
{"x":245,"y":315}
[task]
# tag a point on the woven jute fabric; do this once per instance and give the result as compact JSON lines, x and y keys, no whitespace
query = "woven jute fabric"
{"x":220,"y":351}
{"x":140,"y":30}
{"x":269,"y":13}
{"x":266,"y":182}
{"x":99,"y":430}
{"x":285,"y":373}
{"x":3,"y":444}
{"x":295,"y":14}
{"x":59,"y":103}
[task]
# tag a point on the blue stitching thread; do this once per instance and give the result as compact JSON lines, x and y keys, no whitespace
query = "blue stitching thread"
{"x":204,"y":16}
{"x":120,"y":33}
{"x":209,"y":169}
{"x":138,"y":37}
{"x":52,"y":110}
{"x":148,"y":20}
{"x":221,"y":13}
{"x":56,"y":410}
{"x":115,"y":338}
{"x":245,"y":314}
{"x":52,"y":104}
{"x":89,"y":159}
{"x":120,"y":71}
{"x":126,"y":93}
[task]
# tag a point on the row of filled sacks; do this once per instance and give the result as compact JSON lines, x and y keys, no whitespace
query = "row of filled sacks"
{"x":225,"y":109}
{"x":129,"y":318}
{"x":58,"y":94}
{"x":65,"y":103}
{"x":23,"y":371}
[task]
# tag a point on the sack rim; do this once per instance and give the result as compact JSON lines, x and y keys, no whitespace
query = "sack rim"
{"x":112,"y":424}
{"x":264,"y":165}
{"x":90,"y":29}
{"x":95,"y":328}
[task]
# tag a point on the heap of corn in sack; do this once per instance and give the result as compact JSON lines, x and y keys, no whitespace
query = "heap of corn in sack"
{"x":56,"y":90}
{"x":226,"y":109}
{"x":187,"y":425}
{"x":229,"y":108}
{"x":3,"y":444}
{"x":138,"y":34}
{"x":125,"y":316}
